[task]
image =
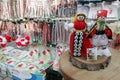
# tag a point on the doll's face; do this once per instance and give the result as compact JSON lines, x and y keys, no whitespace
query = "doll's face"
{"x":101,"y":19}
{"x":80,"y":17}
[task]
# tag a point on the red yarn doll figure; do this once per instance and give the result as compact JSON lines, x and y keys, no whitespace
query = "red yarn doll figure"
{"x":78,"y":41}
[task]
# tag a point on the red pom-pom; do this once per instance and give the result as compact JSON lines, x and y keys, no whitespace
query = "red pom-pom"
{"x":8,"y":38}
{"x":79,"y":25}
{"x":3,"y":45}
{"x":44,"y":52}
{"x":27,"y":37}
{"x":13,"y":39}
{"x":18,"y":43}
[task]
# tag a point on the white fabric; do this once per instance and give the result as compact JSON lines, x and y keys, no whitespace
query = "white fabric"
{"x":99,"y":40}
{"x":105,"y":52}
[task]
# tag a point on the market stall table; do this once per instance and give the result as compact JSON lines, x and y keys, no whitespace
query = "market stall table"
{"x":24,"y":65}
{"x":71,"y":72}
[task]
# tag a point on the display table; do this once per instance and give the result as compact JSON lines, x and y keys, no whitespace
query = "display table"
{"x":71,"y":72}
{"x":24,"y":65}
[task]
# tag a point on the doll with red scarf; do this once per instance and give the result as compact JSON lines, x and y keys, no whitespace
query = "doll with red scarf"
{"x":78,"y":40}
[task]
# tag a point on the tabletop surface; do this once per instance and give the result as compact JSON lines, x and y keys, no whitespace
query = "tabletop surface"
{"x":112,"y":72}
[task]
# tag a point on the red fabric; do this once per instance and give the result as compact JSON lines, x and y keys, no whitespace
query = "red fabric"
{"x":86,"y":44}
{"x":108,"y":32}
{"x":71,"y":43}
{"x":79,"y":25}
{"x":102,"y":13}
{"x":44,"y":35}
{"x":93,"y":32}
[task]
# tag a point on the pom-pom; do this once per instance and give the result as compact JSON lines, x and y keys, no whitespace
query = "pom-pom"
{"x":22,"y":39}
{"x":66,"y":26}
{"x":25,"y":40}
{"x":8,"y":38}
{"x":70,"y":25}
{"x":13,"y":39}
{"x":4,"y":40}
{"x":27,"y":43}
{"x":3,"y":45}
{"x":27,"y":37}
{"x":79,"y":25}
{"x":23,"y":43}
{"x":18,"y":43}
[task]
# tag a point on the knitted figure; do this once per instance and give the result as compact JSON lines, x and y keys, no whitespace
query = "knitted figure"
{"x":100,"y":32}
{"x":78,"y":41}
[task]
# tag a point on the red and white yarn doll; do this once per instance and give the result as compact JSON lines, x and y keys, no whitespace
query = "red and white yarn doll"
{"x":78,"y":40}
{"x":100,"y":32}
{"x":22,"y":42}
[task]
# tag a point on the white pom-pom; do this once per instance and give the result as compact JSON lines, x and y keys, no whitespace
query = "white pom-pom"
{"x":4,"y":40}
{"x":26,"y":40}
{"x":17,"y":40}
{"x":66,"y":26}
{"x":23,"y":42}
{"x":70,"y":25}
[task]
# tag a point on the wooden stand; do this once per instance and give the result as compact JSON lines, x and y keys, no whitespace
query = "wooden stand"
{"x":81,"y":62}
{"x":71,"y":72}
